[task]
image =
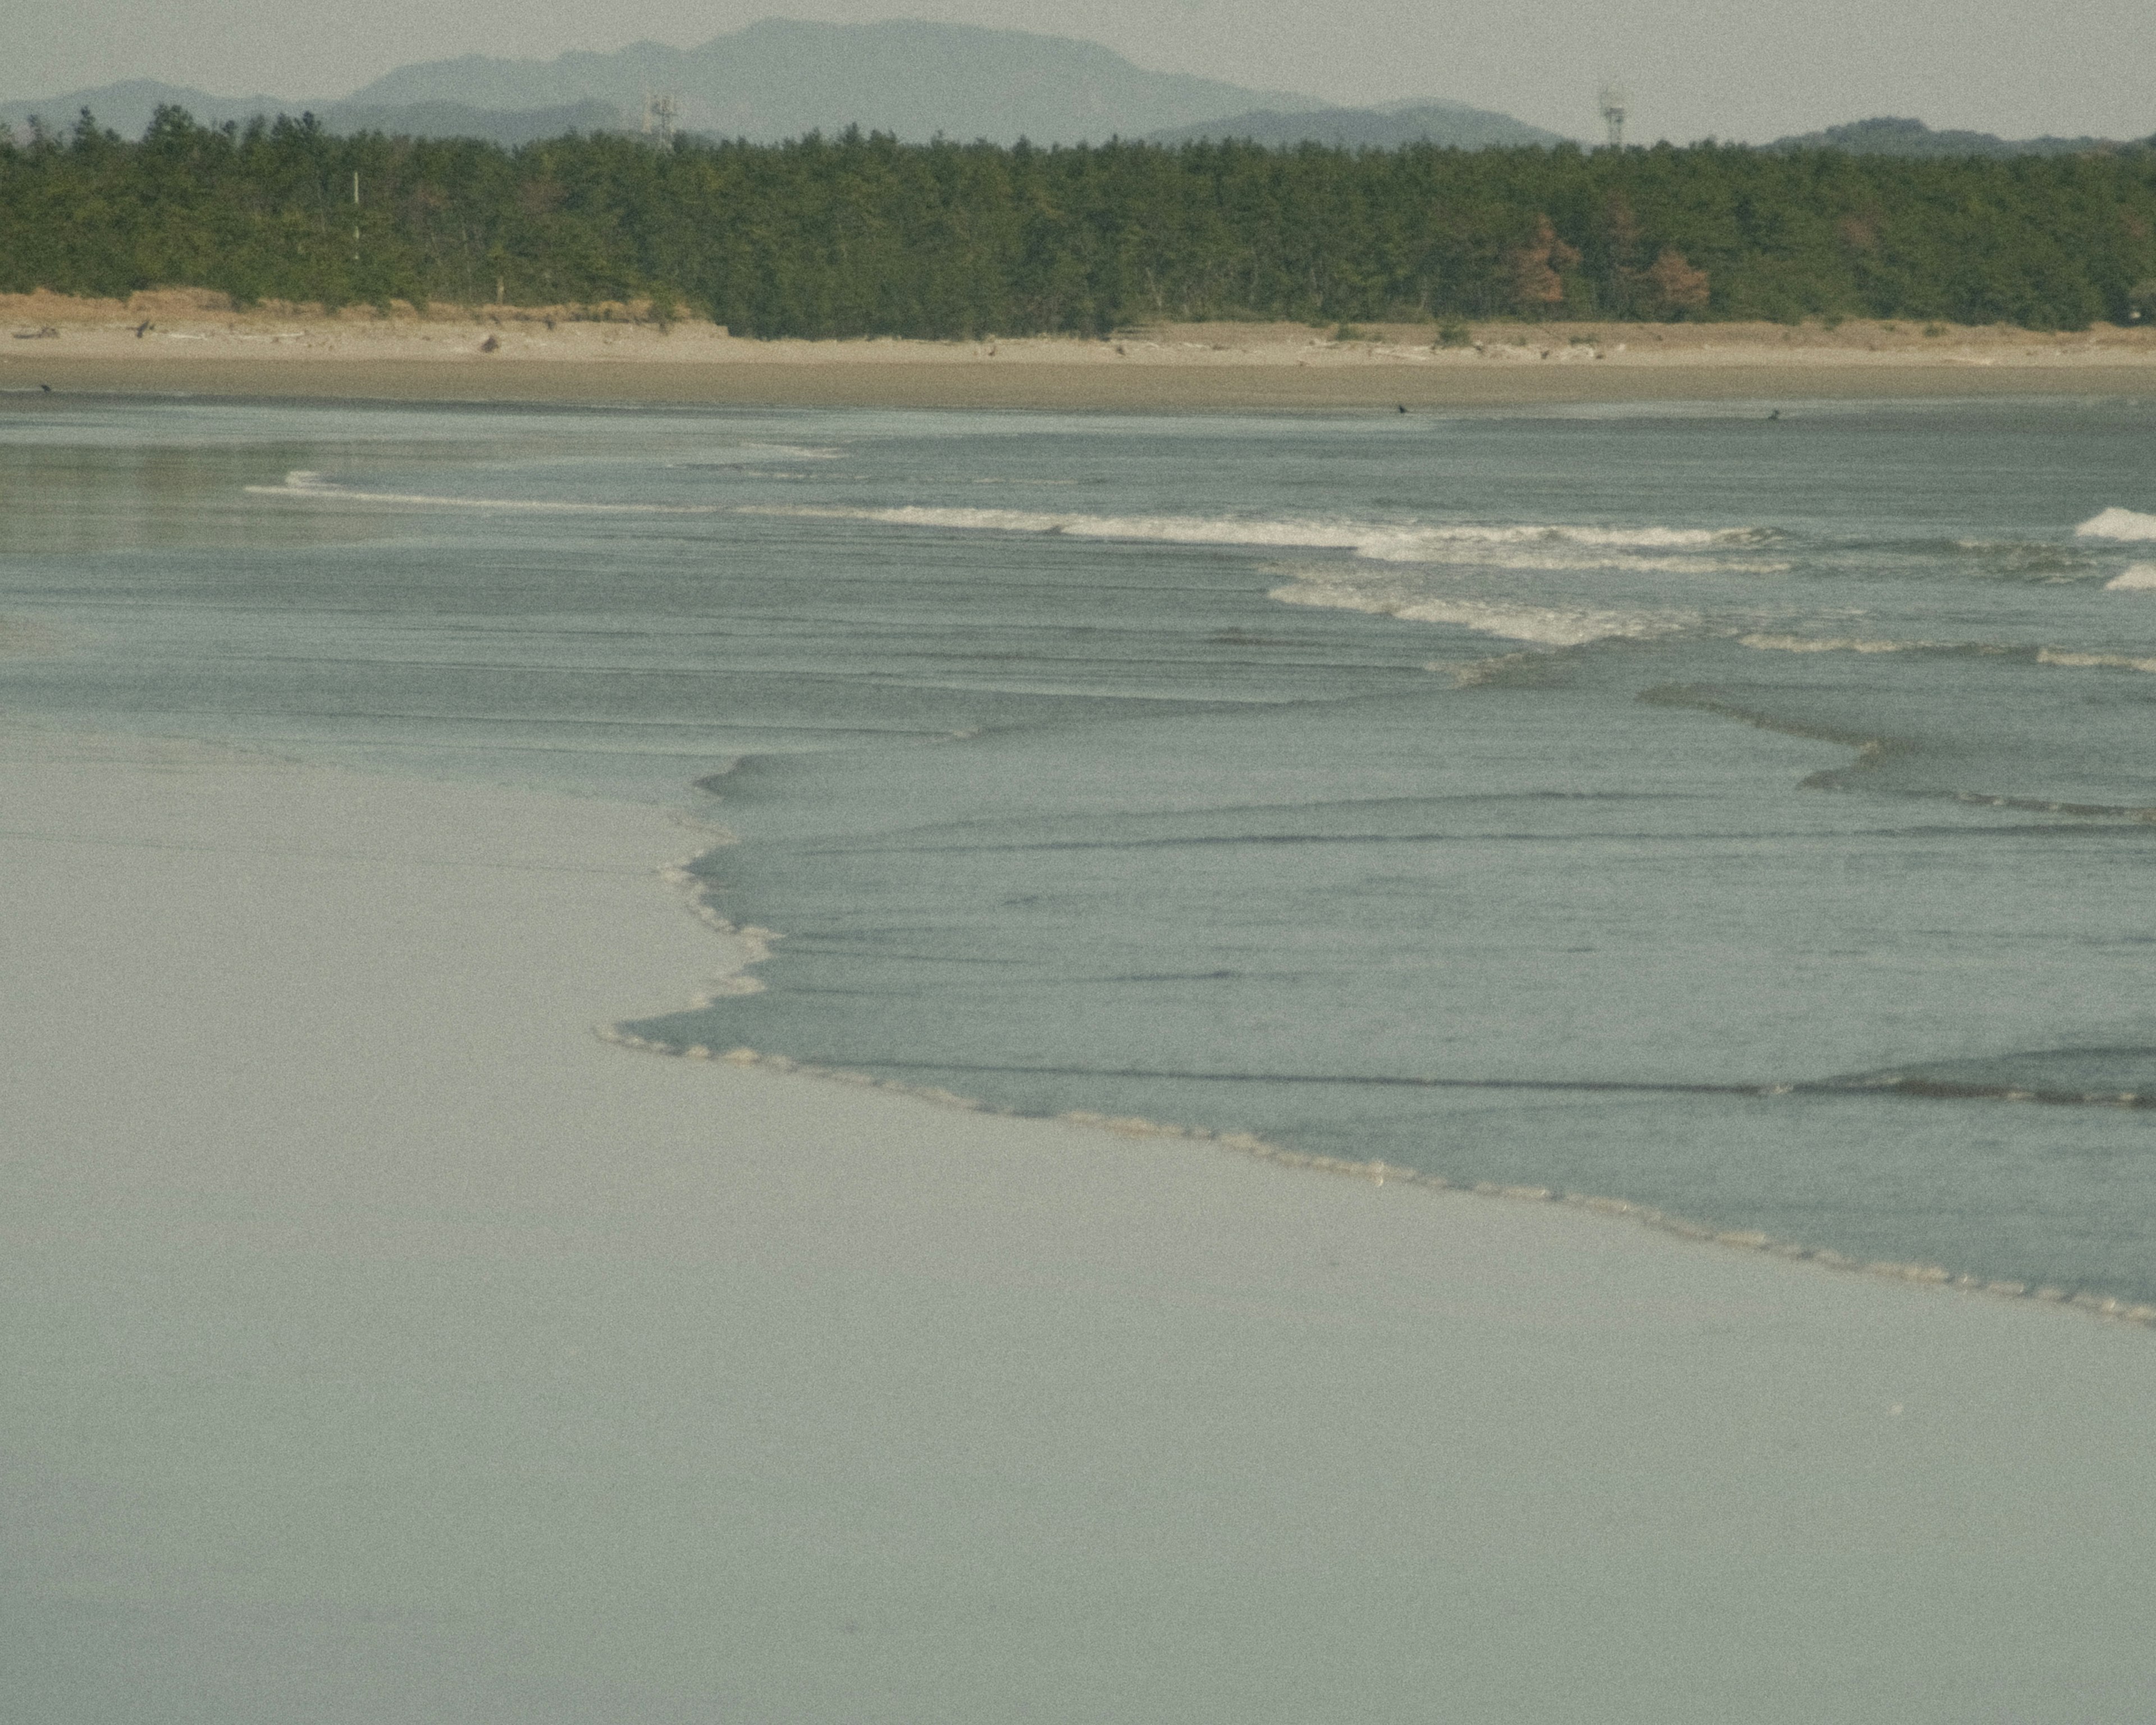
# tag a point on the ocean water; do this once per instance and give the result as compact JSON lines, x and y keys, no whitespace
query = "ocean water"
{"x":1752,"y":816}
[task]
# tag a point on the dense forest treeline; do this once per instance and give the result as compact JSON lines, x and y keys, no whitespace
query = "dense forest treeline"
{"x":861,"y":236}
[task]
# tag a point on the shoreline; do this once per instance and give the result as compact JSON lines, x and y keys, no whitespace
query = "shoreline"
{"x":961,"y":386}
{"x":387,"y":1342}
{"x":177,"y":343}
{"x":2105,"y":1308}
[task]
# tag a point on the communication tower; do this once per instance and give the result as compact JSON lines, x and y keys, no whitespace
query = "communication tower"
{"x":1613,"y":102}
{"x":661,"y":112}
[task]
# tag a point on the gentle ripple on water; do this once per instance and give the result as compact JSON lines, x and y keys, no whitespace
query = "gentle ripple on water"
{"x":1750,"y":820}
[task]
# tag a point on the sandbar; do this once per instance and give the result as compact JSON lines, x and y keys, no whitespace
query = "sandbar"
{"x":192,"y":343}
{"x":383,"y":1344}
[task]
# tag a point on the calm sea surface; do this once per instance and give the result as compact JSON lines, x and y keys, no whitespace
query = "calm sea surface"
{"x":1752,"y":816}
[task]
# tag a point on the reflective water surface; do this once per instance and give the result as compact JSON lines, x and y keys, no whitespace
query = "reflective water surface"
{"x":1749,"y":817}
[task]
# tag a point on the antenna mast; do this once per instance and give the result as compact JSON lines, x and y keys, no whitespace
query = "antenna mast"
{"x":661,"y":112}
{"x":1613,"y":102}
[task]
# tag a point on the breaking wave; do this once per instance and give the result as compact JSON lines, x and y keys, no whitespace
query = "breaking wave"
{"x":2041,"y":560}
{"x":2118,"y":524}
{"x":2141,"y":577}
{"x":2094,"y":661}
{"x":2064,"y":656}
{"x":1509,"y":545}
{"x":314,"y":488}
{"x":1832,"y":643}
{"x":1548,"y":625}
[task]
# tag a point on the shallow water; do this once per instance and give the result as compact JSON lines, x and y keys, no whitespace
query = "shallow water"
{"x":1752,"y":817}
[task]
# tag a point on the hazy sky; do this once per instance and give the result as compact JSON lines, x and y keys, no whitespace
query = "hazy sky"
{"x":1751,"y":71}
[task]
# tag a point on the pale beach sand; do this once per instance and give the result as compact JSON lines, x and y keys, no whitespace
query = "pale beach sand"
{"x":178,"y":343}
{"x":382,"y":1344}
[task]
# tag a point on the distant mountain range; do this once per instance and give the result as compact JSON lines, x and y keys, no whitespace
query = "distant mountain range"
{"x":782,"y":78}
{"x":1453,"y":123}
{"x":127,"y":108}
{"x":1912,"y":137}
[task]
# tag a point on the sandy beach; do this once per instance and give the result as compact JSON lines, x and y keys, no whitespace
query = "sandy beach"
{"x":386,"y":1344}
{"x":187,"y":342}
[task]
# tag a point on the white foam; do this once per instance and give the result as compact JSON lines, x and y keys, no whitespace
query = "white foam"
{"x":1615,"y":538}
{"x":313,"y":488}
{"x":1547,"y":625}
{"x":1175,"y":530}
{"x":1830,"y":643}
{"x":2094,"y":661}
{"x":1389,"y":542}
{"x":749,"y":945}
{"x":2118,"y":524}
{"x":2141,"y":577}
{"x":1545,"y":552}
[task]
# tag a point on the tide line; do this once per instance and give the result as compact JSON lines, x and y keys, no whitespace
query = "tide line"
{"x":1914,"y":1085}
{"x":1916,"y":1274}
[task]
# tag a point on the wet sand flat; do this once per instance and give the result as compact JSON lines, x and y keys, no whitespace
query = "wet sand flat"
{"x":383,"y":1344}
{"x":958,"y":384}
